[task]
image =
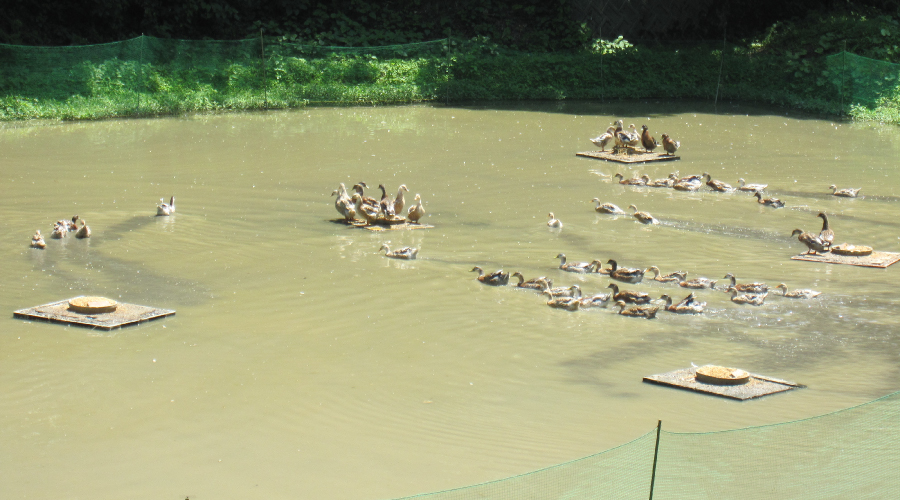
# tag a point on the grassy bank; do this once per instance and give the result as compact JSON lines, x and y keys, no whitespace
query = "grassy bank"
{"x":132,"y":80}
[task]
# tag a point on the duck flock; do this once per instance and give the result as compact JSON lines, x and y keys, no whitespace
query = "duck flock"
{"x":375,"y":211}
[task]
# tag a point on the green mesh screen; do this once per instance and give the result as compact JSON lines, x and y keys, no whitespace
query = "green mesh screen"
{"x":852,"y":453}
{"x":863,"y":80}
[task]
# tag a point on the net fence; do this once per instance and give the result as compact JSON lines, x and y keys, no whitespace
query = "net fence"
{"x":851,"y":453}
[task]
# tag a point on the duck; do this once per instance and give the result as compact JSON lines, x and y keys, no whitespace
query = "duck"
{"x":698,"y":283}
{"x":368,"y":212}
{"x":73,"y":224}
{"x":84,"y":231}
{"x":386,"y":205}
{"x":598,"y":300}
{"x":399,"y":201}
{"x":664,"y":183}
{"x":577,"y":267}
{"x":687,"y":306}
{"x":405,"y":253}
{"x":797,"y":294}
{"x":644,"y":217}
{"x":534,"y":283}
{"x":689,"y":183}
{"x":343,"y":203}
{"x":169,"y":208}
{"x":648,"y":312}
{"x":772,"y":202}
{"x":607,"y":208}
{"x":367,"y":200}
{"x":636,"y":181}
{"x":628,"y":138}
{"x":496,"y":278}
{"x":647,"y":140}
{"x":753,"y":299}
{"x":717,"y":185}
{"x":670,"y":145}
{"x":60,"y":230}
{"x":745,"y":287}
{"x":37,"y":241}
{"x":619,"y":128}
{"x":846,"y":193}
{"x":554,"y":222}
{"x":417,"y":211}
{"x":743,"y":186}
{"x":603,"y":139}
{"x":826,"y":234}
{"x":567,"y":303}
{"x":677,"y":276}
{"x":628,"y":275}
{"x":629,"y":296}
{"x":559,"y":291}
{"x":814,"y":243}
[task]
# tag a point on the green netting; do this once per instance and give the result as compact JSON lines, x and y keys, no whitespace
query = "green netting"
{"x":862,"y":80}
{"x":852,"y":453}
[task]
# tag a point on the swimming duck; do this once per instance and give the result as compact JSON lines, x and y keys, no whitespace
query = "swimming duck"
{"x":813,"y":242}
{"x":846,"y":193}
{"x":717,"y":185}
{"x":748,"y":298}
{"x":677,"y":276}
{"x":669,"y":145}
{"x":628,"y":275}
{"x":607,"y":208}
{"x":648,"y":312}
{"x":746,"y":287}
{"x":406,"y":253}
{"x":598,"y":300}
{"x":772,"y":202}
{"x":368,"y":212}
{"x":553,"y":222}
{"x":644,"y":217}
{"x":689,"y":183}
{"x":698,"y":283}
{"x":559,"y":291}
{"x":60,"y":230}
{"x":635,"y":181}
{"x":576,"y":267}
{"x":687,"y":306}
{"x":496,"y":278}
{"x":534,"y":283}
{"x":826,"y":234}
{"x":73,"y":224}
{"x":647,"y":140}
{"x":399,"y":201}
{"x":169,"y":208}
{"x":751,"y":187}
{"x":567,"y":303}
{"x":798,"y":294}
{"x":37,"y":241}
{"x":416,"y":211}
{"x":630,"y":296}
{"x":603,"y":139}
{"x":84,"y":231}
{"x":386,"y":205}
{"x":664,"y":183}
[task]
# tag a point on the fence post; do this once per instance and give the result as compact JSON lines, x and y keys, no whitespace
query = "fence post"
{"x":655,"y":455}
{"x":262,"y":62}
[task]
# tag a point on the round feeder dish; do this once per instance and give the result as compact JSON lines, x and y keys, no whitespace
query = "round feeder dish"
{"x":92,"y":305}
{"x":854,"y":250}
{"x":720,"y":375}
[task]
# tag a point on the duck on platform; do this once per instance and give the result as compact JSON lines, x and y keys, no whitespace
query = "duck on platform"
{"x":417,"y":211}
{"x":399,"y":200}
{"x":607,"y":208}
{"x":386,"y":205}
{"x":647,"y":140}
{"x":846,"y":193}
{"x":813,"y":242}
{"x":627,"y":138}
{"x":670,"y":145}
{"x":343,"y":203}
{"x":405,"y":253}
{"x":644,"y":217}
{"x":826,"y":234}
{"x":603,"y":139}
{"x":497,"y":278}
{"x":367,"y":211}
{"x":769,"y":202}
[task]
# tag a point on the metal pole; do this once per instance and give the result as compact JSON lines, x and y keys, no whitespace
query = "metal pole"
{"x":843,"y":71}
{"x":143,"y":84}
{"x":722,"y":65}
{"x":655,"y":455}
{"x":262,"y":62}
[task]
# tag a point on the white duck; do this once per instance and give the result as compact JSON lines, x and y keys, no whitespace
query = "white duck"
{"x":554,"y":222}
{"x":169,"y":208}
{"x":603,"y":139}
{"x":406,"y":253}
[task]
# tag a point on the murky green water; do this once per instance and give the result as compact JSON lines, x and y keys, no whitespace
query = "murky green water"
{"x":302,"y":364}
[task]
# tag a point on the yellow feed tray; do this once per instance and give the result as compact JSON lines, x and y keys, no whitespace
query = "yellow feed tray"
{"x":92,"y":305}
{"x":720,"y":375}
{"x":848,"y":249}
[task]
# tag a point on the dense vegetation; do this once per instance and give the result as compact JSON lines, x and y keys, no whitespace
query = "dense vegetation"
{"x":785,"y":64}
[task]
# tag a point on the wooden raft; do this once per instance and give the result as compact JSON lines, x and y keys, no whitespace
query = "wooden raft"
{"x":757,"y":386}
{"x":125,"y":314}
{"x":875,"y":259}
{"x":382,"y":225}
{"x":631,"y":156}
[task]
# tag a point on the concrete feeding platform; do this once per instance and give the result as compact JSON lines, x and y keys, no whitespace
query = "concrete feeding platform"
{"x":630,"y":157}
{"x":757,"y":386}
{"x":875,"y":259}
{"x":382,"y":226}
{"x":125,"y":314}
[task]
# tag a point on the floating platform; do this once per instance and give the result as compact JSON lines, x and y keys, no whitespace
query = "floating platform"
{"x":756,"y":386}
{"x":124,"y":314}
{"x":397,"y":225}
{"x":875,"y":259}
{"x":631,"y":156}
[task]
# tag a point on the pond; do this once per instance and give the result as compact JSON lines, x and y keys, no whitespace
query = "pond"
{"x":302,"y":363}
